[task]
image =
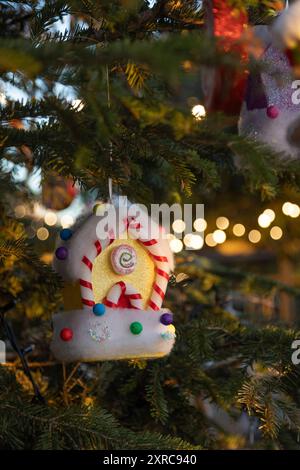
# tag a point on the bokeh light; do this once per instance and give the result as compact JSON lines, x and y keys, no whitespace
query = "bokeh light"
{"x":176,"y":245}
{"x":270,"y":213}
{"x":50,"y":218}
{"x":66,"y":221}
{"x":238,"y":230}
{"x":200,"y":225}
{"x":276,"y":233}
{"x":209,"y":240}
{"x":222,"y":223}
{"x":42,"y":233}
{"x":264,"y":220}
{"x":20,"y":211}
{"x":178,"y":226}
{"x":254,"y":236}
{"x":219,"y":236}
{"x":198,"y":111}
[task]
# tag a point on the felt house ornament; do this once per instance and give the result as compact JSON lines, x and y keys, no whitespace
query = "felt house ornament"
{"x":114,"y":285}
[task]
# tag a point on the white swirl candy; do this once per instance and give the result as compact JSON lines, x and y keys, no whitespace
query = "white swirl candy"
{"x":123,"y":259}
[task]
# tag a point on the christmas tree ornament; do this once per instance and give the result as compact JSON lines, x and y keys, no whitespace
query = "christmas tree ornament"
{"x":223,"y":87}
{"x":271,"y":110}
{"x":114,"y":286}
{"x":58,"y":192}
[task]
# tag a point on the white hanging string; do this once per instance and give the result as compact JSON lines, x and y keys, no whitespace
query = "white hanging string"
{"x":110,"y":184}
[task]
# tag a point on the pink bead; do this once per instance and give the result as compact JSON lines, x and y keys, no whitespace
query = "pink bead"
{"x":272,"y":112}
{"x":123,"y":259}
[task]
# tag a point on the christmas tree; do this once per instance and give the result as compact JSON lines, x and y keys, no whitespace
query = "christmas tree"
{"x":142,"y":98}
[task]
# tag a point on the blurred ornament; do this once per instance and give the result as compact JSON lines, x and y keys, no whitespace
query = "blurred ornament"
{"x":223,"y":87}
{"x":58,"y":192}
{"x":270,"y":112}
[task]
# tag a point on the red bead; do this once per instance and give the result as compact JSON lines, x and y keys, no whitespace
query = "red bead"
{"x":66,"y":334}
{"x":272,"y":112}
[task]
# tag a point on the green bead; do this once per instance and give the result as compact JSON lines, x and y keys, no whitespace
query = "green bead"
{"x":136,"y":328}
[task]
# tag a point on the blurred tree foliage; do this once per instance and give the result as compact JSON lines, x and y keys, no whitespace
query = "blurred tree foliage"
{"x":141,"y":55}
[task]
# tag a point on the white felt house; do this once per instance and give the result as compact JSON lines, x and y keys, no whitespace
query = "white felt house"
{"x":114,"y":287}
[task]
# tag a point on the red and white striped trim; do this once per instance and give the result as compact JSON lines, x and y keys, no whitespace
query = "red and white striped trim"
{"x":148,"y":242}
{"x":162,"y":273}
{"x":85,"y":281}
{"x":154,"y":249}
{"x":120,"y":288}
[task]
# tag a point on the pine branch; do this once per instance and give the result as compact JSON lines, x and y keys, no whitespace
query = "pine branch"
{"x":155,"y":396}
{"x":71,"y":428}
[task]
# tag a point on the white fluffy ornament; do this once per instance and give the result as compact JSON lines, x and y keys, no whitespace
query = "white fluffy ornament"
{"x":114,"y":289}
{"x":271,"y":111}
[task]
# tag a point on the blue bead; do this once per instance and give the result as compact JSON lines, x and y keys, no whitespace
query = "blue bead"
{"x":66,"y":234}
{"x":99,"y":309}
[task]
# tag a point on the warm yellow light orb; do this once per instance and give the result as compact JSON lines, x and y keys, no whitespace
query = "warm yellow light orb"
{"x":276,"y":233}
{"x":193,"y":241}
{"x":178,"y":226}
{"x":270,"y":213}
{"x":196,"y":242}
{"x":294,"y":211}
{"x":254,"y":236}
{"x":238,"y":230}
{"x":66,"y":221}
{"x":42,"y":233}
{"x":219,"y":236}
{"x":170,"y":236}
{"x":264,"y":220}
{"x":176,"y":245}
{"x":222,"y":223}
{"x":198,"y":111}
{"x":200,"y":225}
{"x":209,"y":240}
{"x":20,"y":211}
{"x":50,"y":218}
{"x":287,"y":207}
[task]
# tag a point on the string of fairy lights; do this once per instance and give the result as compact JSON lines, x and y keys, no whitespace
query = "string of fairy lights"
{"x":43,"y":220}
{"x":225,"y":229}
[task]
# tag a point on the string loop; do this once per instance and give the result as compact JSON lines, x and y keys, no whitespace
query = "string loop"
{"x":110,"y":183}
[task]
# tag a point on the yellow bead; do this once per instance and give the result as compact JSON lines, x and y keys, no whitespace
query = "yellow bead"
{"x":171,"y":329}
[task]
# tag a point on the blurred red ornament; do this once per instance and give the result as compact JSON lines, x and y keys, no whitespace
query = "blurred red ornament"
{"x":224,"y":87}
